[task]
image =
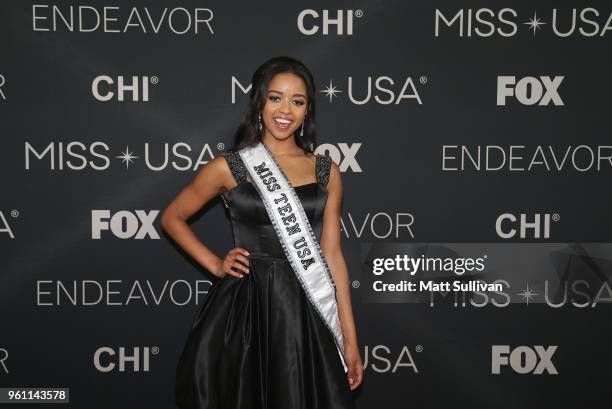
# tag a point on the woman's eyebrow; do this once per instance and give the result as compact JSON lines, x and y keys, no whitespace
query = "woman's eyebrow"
{"x":295,"y":95}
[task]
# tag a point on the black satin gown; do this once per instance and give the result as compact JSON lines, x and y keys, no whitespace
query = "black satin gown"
{"x":257,"y":342}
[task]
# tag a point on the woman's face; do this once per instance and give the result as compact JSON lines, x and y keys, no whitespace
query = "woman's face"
{"x":285,"y":106}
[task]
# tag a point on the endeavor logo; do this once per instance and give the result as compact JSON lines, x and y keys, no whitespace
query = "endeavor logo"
{"x":85,"y":293}
{"x":505,"y":22}
{"x":114,"y":19}
{"x":523,"y":359}
{"x":529,"y":90}
{"x":2,"y":83}
{"x":3,"y":359}
{"x":380,"y":225}
{"x":527,"y":158}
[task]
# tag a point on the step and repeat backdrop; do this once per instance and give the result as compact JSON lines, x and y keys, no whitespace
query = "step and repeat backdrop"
{"x":474,"y":143}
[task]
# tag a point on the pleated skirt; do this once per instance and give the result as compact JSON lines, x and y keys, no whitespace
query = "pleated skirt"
{"x":258,"y":343}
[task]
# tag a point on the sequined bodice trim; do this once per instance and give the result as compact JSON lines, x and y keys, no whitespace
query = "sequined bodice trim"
{"x":236,"y":165}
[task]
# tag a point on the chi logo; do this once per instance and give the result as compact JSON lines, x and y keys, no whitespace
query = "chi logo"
{"x":340,"y":22}
{"x":106,"y":359}
{"x":508,"y":225}
{"x":104,"y":88}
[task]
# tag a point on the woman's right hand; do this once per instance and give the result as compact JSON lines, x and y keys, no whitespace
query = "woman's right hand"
{"x":235,"y":259}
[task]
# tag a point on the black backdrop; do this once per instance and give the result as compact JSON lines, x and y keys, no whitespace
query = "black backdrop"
{"x":461,"y":128}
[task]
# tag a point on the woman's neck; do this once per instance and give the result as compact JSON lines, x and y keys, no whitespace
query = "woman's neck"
{"x":281,"y":148}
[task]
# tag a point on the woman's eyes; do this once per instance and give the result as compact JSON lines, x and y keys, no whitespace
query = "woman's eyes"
{"x":275,"y":98}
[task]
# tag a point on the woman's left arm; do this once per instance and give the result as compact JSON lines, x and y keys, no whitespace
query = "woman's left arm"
{"x":332,"y":250}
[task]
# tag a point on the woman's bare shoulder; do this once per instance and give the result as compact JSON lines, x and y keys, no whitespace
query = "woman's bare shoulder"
{"x":216,"y":172}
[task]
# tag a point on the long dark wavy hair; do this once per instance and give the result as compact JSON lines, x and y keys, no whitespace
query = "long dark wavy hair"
{"x":248,"y":133}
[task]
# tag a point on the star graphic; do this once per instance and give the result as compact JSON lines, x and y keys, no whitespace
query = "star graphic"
{"x":330,"y":90}
{"x":527,"y":294}
{"x":534,"y":23}
{"x":127,"y":157}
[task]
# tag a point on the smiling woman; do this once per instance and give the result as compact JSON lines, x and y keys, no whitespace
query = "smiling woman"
{"x":277,"y":329}
{"x":283,"y":117}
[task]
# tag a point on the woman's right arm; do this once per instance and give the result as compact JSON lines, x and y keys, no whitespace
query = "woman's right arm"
{"x":208,"y":183}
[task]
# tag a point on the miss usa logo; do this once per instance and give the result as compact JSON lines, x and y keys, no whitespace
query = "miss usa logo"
{"x":506,"y":22}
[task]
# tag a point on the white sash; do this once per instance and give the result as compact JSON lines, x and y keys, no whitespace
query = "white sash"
{"x":295,"y":233}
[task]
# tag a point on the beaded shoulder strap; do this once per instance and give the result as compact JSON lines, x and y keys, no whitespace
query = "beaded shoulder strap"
{"x":236,"y":166}
{"x":323,"y":166}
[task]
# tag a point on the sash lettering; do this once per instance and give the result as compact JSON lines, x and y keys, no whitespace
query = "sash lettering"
{"x":295,"y":234}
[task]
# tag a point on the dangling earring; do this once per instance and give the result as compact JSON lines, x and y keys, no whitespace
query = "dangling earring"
{"x":302,"y":130}
{"x":260,"y":125}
